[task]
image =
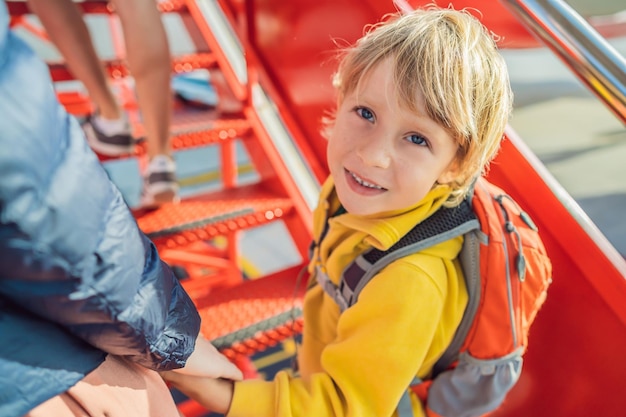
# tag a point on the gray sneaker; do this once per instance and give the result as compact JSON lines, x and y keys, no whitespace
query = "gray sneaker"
{"x":121,"y":143}
{"x":159,"y":183}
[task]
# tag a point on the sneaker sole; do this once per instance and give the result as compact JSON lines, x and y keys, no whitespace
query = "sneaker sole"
{"x":167,"y":196}
{"x":160,"y":194}
{"x":104,"y":148}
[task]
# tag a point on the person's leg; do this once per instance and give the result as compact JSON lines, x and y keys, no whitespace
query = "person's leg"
{"x":66,"y":28}
{"x":148,"y":55}
{"x":108,"y":131}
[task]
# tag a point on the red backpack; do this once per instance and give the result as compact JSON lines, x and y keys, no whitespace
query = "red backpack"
{"x":507,"y":272}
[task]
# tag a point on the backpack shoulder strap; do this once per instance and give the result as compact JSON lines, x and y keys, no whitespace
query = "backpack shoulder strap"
{"x":482,"y":206}
{"x":444,"y":224}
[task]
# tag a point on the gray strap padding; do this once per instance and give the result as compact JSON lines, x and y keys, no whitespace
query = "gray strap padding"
{"x":470,"y":263}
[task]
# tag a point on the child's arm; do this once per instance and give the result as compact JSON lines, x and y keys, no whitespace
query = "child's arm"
{"x":213,"y":394}
{"x":207,"y":361}
{"x":339,"y":382}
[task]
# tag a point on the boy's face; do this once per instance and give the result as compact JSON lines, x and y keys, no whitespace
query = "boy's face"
{"x":382,"y":156}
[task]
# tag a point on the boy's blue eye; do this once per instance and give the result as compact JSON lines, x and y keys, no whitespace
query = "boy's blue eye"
{"x":417,"y":139}
{"x":365,"y":113}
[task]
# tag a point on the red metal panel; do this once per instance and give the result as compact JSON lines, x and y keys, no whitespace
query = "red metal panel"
{"x":295,"y":41}
{"x":575,"y":358}
{"x":575,"y":361}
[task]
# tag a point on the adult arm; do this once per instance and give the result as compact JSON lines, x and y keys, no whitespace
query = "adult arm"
{"x":70,"y":249}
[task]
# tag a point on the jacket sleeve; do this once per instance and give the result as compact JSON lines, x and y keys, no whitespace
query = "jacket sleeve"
{"x":70,"y":249}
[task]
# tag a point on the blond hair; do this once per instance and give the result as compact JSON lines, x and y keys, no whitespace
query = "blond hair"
{"x":452,"y":60}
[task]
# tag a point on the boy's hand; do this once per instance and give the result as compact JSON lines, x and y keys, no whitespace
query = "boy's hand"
{"x":213,"y":394}
{"x":207,"y":361}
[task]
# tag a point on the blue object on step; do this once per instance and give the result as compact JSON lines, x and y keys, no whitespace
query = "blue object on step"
{"x":195,"y":87}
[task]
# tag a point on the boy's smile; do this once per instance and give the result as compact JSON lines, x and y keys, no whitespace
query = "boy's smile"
{"x":383,"y":156}
{"x":362,"y":186}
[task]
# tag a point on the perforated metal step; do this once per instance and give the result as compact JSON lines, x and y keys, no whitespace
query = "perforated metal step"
{"x":176,"y":225}
{"x":257,"y":314}
{"x":118,"y":68}
{"x":20,"y":7}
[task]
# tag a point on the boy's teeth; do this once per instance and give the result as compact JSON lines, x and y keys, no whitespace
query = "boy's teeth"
{"x":365,"y":183}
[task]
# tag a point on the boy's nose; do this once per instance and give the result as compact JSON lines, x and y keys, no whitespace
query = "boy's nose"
{"x":375,"y":153}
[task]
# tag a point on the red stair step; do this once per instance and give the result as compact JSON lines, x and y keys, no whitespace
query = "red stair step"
{"x":176,"y":225}
{"x":20,"y":7}
{"x":192,"y":128}
{"x":254,"y":315}
{"x":118,"y":68}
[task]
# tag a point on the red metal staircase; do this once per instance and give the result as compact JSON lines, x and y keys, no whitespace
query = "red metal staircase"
{"x":242,"y":316}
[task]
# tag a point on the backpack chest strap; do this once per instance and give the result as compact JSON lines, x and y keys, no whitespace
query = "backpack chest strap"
{"x":335,"y":292}
{"x":344,"y":293}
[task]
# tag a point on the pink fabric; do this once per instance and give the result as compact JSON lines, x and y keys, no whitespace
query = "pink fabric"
{"x":116,"y":388}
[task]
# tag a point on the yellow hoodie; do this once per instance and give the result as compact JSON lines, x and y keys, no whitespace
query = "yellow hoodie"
{"x":361,"y":362}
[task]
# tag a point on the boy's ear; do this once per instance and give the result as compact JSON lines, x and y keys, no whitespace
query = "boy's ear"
{"x":450,"y":174}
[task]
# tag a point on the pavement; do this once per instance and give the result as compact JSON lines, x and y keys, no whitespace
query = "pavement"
{"x":579,"y":140}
